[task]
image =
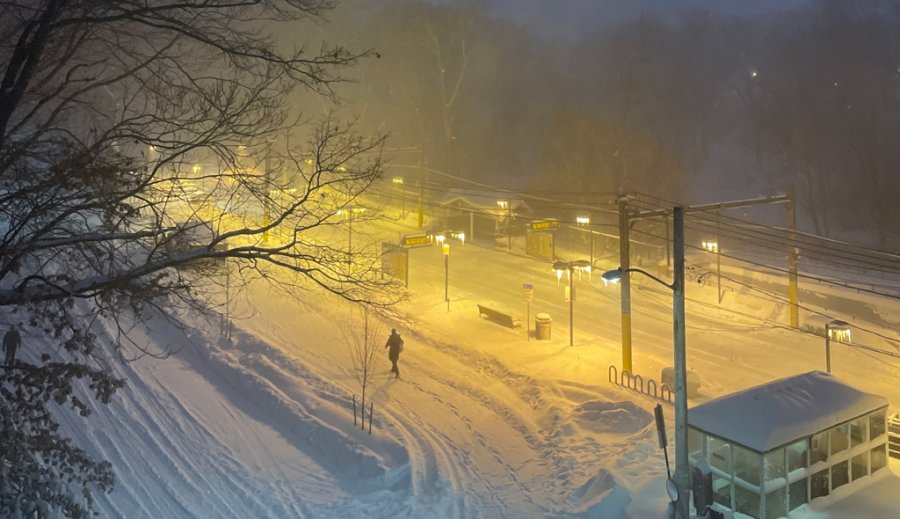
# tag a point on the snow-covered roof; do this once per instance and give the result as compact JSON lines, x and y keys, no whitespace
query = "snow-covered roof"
{"x":774,"y":414}
{"x":483,"y":202}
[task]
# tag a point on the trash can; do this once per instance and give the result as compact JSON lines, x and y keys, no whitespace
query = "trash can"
{"x":542,"y":324}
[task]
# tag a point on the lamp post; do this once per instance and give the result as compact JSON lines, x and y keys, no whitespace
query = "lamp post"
{"x":682,"y":470}
{"x":349,"y":211}
{"x":837,"y":330}
{"x":398,"y":181}
{"x":585,"y":221}
{"x":446,"y":249}
{"x":505,"y":204}
{"x":569,"y":266}
{"x":442,"y":240}
{"x":713,"y":247}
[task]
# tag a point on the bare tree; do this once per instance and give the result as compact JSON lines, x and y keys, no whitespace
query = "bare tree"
{"x":363,"y":342}
{"x":139,"y":142}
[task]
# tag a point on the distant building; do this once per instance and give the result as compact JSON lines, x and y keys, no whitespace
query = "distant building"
{"x":482,"y":216}
{"x":778,"y":446}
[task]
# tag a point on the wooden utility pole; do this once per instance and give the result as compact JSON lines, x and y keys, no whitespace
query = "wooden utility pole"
{"x":793,"y":259}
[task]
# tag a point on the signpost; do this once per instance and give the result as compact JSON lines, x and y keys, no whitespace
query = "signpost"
{"x":528,"y":291}
{"x":412,"y":241}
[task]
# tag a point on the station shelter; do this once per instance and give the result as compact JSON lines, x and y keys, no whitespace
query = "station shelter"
{"x":773,"y":448}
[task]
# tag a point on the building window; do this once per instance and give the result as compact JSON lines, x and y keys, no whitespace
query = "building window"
{"x":878,"y":457}
{"x":746,"y":501}
{"x":720,"y":454}
{"x":858,"y":431}
{"x":837,"y":438}
{"x":819,"y":450}
{"x":776,"y":503}
{"x":859,"y":466}
{"x":840,"y":474}
{"x":877,"y":424}
{"x":747,"y":465}
{"x":818,"y":484}
{"x":797,"y":494}
{"x":721,"y":490}
{"x":797,"y":454}
{"x":774,"y":464}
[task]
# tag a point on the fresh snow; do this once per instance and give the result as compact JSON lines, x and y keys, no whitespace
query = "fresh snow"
{"x":484,"y":421}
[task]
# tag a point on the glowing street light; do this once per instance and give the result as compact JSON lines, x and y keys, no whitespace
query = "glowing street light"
{"x":585,"y":221}
{"x":398,"y":182}
{"x":713,"y":247}
{"x":350,"y":211}
{"x":505,"y":204}
{"x":569,"y":266}
{"x":838,"y":331}
{"x":682,"y":474}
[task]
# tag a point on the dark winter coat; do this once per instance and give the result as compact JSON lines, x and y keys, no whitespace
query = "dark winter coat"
{"x":11,"y":342}
{"x":394,"y":342}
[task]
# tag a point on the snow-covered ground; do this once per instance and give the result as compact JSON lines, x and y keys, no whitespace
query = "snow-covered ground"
{"x":484,"y":422}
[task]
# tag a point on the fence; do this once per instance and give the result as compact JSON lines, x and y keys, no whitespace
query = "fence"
{"x":635,"y":382}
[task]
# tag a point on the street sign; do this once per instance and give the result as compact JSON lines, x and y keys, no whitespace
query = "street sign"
{"x":412,"y":241}
{"x":660,"y":426}
{"x":528,"y":290}
{"x":544,"y":225}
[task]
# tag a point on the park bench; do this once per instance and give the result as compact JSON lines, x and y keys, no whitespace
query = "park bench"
{"x":498,"y":317}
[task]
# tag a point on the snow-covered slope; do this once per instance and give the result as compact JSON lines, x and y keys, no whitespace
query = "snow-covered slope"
{"x":485,"y":422}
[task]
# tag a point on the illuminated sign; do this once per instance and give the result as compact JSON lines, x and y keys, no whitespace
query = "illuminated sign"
{"x":544,"y":225}
{"x":412,"y":241}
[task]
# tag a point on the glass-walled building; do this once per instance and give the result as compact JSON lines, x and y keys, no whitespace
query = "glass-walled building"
{"x":775,"y":447}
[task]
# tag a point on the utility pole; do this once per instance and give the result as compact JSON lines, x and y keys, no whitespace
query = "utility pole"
{"x":682,"y":469}
{"x":793,"y":260}
{"x":446,"y":249}
{"x":718,"y":257}
{"x":571,"y":308}
{"x":509,"y":225}
{"x":421,"y":188}
{"x":624,"y":264}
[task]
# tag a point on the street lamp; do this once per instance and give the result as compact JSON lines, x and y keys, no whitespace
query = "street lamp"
{"x":398,"y":181}
{"x":585,"y":221}
{"x":682,"y":471}
{"x":713,"y":247}
{"x":838,"y":331}
{"x":569,"y":266}
{"x":446,"y":248}
{"x":350,"y":211}
{"x":505,"y":204}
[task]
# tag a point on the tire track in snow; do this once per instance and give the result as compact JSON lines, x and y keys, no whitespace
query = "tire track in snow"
{"x":424,"y":463}
{"x":485,"y":444}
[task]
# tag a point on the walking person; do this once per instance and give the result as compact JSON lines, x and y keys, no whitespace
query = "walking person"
{"x":11,"y":342}
{"x":395,"y":343}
